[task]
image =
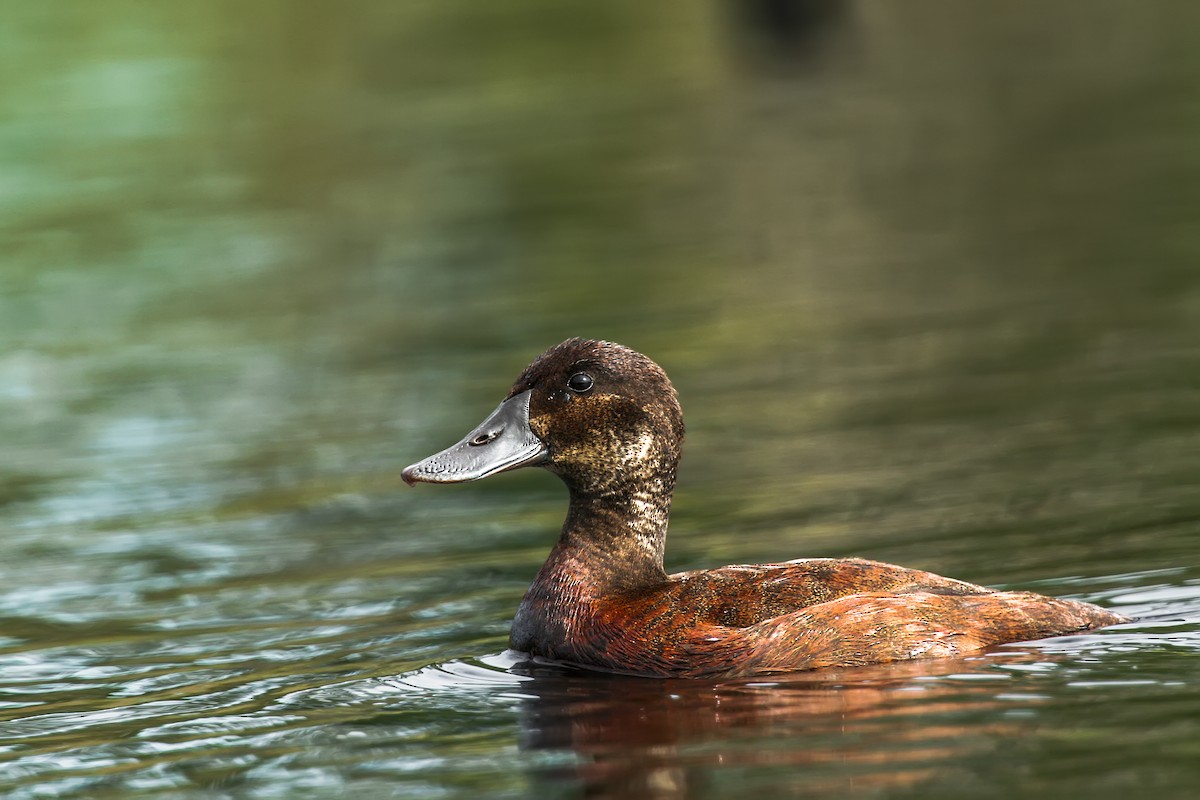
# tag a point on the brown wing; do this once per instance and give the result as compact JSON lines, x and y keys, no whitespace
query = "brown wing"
{"x":880,"y":628}
{"x":740,"y":596}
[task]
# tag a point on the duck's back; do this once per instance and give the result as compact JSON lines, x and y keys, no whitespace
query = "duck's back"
{"x":745,"y":594}
{"x":877,"y":628}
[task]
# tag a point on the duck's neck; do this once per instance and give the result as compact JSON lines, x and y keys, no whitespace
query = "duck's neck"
{"x":616,"y":540}
{"x":612,"y":541}
{"x":615,"y":532}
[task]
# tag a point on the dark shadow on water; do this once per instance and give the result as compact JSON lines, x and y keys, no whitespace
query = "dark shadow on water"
{"x":786,"y":32}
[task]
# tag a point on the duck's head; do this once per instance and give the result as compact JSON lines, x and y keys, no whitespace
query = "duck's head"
{"x":599,"y":415}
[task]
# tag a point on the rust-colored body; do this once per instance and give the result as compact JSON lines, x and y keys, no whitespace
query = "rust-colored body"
{"x":770,"y":618}
{"x":603,"y":600}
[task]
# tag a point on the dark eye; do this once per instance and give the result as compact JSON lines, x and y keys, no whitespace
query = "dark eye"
{"x":579,"y":382}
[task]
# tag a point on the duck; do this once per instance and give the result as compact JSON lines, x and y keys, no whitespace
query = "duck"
{"x":607,"y":421}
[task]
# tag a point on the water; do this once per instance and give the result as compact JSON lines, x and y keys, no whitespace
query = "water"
{"x":925,"y":280}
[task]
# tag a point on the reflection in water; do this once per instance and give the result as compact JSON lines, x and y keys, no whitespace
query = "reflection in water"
{"x":639,"y":737}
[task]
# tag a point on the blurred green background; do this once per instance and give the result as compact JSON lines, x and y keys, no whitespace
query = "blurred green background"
{"x":924,"y":275}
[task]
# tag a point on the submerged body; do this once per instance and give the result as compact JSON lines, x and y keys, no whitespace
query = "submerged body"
{"x":607,"y":421}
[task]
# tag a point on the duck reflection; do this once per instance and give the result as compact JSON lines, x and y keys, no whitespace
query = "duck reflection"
{"x":884,"y":726}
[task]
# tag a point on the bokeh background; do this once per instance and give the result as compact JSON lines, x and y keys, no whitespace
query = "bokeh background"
{"x":924,"y":274}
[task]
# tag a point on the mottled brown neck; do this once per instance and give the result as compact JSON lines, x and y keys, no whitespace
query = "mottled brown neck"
{"x":609,"y":543}
{"x":617,"y":539}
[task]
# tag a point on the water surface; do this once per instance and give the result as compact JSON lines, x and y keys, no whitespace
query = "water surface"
{"x":925,"y":280}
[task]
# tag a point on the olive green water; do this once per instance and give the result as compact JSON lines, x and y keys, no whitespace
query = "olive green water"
{"x":926,"y":276}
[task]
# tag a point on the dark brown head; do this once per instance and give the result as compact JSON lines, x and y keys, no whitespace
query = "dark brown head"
{"x":601,"y":416}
